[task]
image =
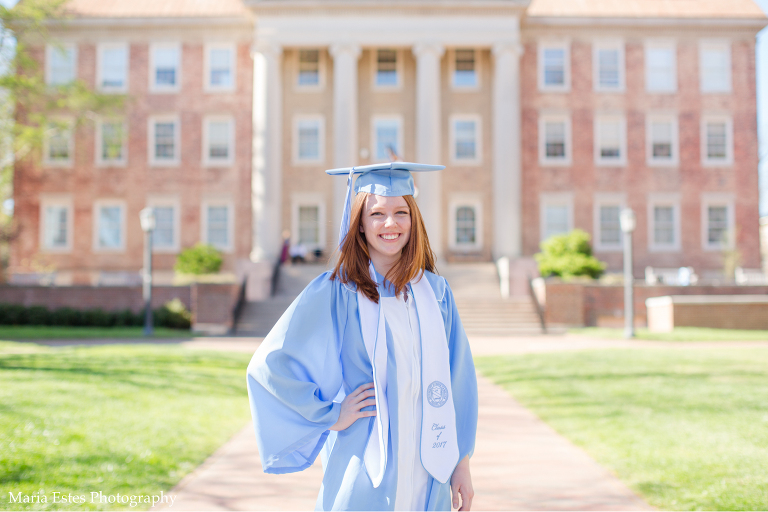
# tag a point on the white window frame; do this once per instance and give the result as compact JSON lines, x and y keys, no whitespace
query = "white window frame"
{"x":217,"y":202}
{"x":554,"y":199}
{"x":728,"y":160}
{"x":611,"y":162}
{"x":457,"y":201}
{"x":49,"y":49}
{"x":207,"y":85}
{"x":664,"y":199}
{"x":394,"y":117}
{"x":164,"y":89}
{"x":320,"y":120}
{"x":606,"y":199}
{"x":166,"y":201}
{"x":656,"y":162}
{"x":721,"y":44}
{"x":62,"y":200}
{"x":299,"y":199}
{"x":102,"y":47}
{"x":566,"y":47}
{"x":608,"y":44}
{"x":545,"y":117}
{"x":97,"y":205}
{"x":206,"y":157}
{"x":321,"y":71}
{"x":70,"y":121}
{"x":123,"y":160}
{"x":176,"y":143}
{"x":478,"y":159}
{"x":452,"y":70}
{"x":661,"y":43}
{"x":398,"y":68}
{"x":717,"y":199}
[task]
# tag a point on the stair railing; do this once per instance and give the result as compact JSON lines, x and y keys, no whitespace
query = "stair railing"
{"x":237,"y":309}
{"x":539,"y":307}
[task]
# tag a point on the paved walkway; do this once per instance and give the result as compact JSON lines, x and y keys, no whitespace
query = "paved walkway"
{"x":520,"y":463}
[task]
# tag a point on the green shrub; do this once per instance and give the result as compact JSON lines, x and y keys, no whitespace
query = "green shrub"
{"x":13,"y":314}
{"x":39,"y":315}
{"x":68,"y":316}
{"x":568,"y":256}
{"x":200,"y":259}
{"x":173,"y":315}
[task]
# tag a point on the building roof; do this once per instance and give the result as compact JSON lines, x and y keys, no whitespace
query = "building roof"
{"x":740,"y":9}
{"x":156,"y":8}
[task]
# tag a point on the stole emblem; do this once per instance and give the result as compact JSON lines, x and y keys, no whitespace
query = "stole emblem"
{"x":437,"y":394}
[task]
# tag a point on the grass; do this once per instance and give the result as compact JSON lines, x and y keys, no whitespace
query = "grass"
{"x":128,"y":419}
{"x":679,"y":334}
{"x":31,"y":332}
{"x":687,"y":430}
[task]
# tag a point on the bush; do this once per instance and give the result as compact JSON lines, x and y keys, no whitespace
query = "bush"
{"x":569,"y":256}
{"x":39,"y":315}
{"x":173,"y":315}
{"x":200,"y":259}
{"x":13,"y":314}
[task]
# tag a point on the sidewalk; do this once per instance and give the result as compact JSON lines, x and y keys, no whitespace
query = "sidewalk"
{"x":520,"y":463}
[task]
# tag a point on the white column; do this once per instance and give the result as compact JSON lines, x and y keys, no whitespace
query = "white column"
{"x":267,"y":173}
{"x":507,"y":176}
{"x":428,"y":129}
{"x":345,"y":144}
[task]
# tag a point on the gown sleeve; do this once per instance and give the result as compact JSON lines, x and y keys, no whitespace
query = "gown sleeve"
{"x":463,"y":377}
{"x":294,"y":376}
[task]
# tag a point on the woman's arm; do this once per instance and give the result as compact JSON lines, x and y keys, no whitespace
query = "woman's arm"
{"x":461,"y":483}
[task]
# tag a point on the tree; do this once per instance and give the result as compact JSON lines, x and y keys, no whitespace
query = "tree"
{"x":27,"y":104}
{"x":569,"y":255}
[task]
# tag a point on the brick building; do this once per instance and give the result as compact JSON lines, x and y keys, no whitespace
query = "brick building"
{"x":549,"y":114}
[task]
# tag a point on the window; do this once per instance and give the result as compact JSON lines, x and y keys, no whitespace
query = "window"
{"x":309,"y":68}
{"x":217,"y":224}
{"x":110,"y":226}
{"x":110,"y":142}
{"x":607,"y":230}
{"x":715,"y":66}
{"x":660,"y":67}
{"x":218,"y":140}
{"x":465,"y":69}
{"x":465,"y":139}
{"x":718,"y":224}
{"x":716,"y":140}
{"x":554,"y":67}
{"x":61,"y":60}
{"x":165,"y":67}
{"x":664,"y":222}
{"x":308,"y":221}
{"x":309,"y":139}
{"x":466,"y":223}
{"x":556,"y":214}
{"x":56,"y":223}
{"x":113,"y":67}
{"x":58,"y":143}
{"x":165,"y":236}
{"x":554,"y":140}
{"x":387,"y":138}
{"x":164,"y":140}
{"x":608,"y":58}
{"x":220,"y":67}
{"x":662,"y":140}
{"x":387,"y":69}
{"x":610,"y":140}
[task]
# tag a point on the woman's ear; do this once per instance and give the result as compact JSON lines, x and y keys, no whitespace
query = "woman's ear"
{"x":361,"y":229}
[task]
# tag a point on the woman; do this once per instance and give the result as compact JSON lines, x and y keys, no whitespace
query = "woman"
{"x":371,"y":365}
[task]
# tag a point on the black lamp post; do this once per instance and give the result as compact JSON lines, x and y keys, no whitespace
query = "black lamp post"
{"x":628,"y":222}
{"x":148,"y":222}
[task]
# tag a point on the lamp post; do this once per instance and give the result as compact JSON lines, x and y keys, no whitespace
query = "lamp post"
{"x":147,"y":216}
{"x":628,"y":222}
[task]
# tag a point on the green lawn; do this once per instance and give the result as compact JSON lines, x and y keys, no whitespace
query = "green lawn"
{"x":686,"y":429}
{"x":30,"y":332}
{"x":679,"y":334}
{"x":113,"y":418}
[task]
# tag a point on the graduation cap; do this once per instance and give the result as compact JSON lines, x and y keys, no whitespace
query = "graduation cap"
{"x":391,"y":179}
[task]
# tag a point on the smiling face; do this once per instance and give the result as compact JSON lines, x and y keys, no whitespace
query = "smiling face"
{"x":386,"y":224}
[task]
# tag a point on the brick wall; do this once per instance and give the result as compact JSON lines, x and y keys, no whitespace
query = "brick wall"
{"x":108,"y":298}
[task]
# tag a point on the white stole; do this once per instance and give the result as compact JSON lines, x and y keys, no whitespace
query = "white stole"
{"x":439,"y":446}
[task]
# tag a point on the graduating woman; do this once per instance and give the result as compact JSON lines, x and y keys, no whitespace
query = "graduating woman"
{"x":371,"y":365}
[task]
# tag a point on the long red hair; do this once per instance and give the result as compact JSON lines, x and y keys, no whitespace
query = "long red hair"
{"x":354,"y":258}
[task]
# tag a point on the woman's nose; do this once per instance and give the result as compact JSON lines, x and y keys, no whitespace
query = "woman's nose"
{"x":390,"y":221}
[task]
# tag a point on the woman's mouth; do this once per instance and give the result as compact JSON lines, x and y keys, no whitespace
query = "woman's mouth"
{"x":390,"y":236}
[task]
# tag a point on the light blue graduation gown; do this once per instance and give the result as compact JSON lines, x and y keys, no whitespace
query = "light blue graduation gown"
{"x":314,"y":352}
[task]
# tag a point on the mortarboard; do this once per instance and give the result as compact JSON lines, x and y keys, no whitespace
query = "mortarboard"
{"x":391,"y":179}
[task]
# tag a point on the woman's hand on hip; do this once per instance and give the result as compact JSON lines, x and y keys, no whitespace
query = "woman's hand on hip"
{"x":352,"y":404}
{"x":461,"y":483}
